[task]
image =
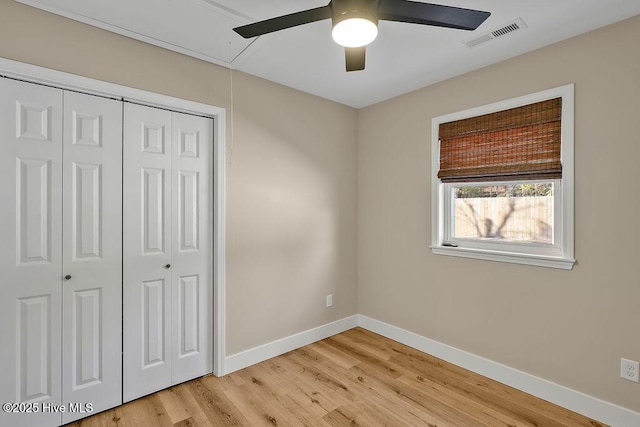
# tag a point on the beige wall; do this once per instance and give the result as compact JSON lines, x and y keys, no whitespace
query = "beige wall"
{"x":570,"y":327}
{"x":291,"y":180}
{"x":291,"y":213}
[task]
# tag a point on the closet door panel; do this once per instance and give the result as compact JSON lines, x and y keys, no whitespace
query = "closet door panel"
{"x":192,"y":291}
{"x":147,"y":250}
{"x":92,"y":253}
{"x":30,"y":254}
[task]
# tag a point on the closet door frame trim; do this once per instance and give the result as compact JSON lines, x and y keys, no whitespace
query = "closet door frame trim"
{"x":35,"y":74}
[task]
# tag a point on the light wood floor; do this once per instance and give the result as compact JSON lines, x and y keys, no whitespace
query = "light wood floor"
{"x":356,"y":378}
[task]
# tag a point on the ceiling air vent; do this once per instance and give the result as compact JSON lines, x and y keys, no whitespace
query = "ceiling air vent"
{"x":503,"y":30}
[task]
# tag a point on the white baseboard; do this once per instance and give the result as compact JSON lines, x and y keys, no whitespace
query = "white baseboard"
{"x":606,"y":412}
{"x":275,"y":348}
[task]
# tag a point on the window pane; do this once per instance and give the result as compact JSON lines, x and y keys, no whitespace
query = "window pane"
{"x":505,"y":212}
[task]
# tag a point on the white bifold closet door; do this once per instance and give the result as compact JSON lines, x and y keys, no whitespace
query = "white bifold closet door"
{"x":168,"y":300}
{"x":92,"y":254}
{"x":31,"y":250}
{"x":61,"y":256}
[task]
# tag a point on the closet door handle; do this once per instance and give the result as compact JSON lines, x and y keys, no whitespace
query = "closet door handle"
{"x":67,"y":277}
{"x":168,"y":266}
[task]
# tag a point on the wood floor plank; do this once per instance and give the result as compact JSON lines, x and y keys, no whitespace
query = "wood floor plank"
{"x":361,"y":414}
{"x":387,"y":399}
{"x":214,"y":403}
{"x":328,"y":381}
{"x":469,"y":406}
{"x":146,"y":411}
{"x":306,"y":386}
{"x":338,"y":357}
{"x":380,"y":365}
{"x":174,"y":405}
{"x":460,"y":385}
{"x":358,"y":383}
{"x":257,"y":413}
{"x":376,"y":392}
{"x":104,"y":419}
{"x":490,"y":393}
{"x":308,"y":413}
{"x":356,"y":378}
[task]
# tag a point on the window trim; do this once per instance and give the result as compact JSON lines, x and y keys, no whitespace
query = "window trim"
{"x":564,"y":257}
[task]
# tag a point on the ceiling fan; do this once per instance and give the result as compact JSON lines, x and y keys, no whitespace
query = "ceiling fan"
{"x":355,"y":22}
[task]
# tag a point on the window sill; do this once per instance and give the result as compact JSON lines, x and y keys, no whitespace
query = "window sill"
{"x":510,"y":257}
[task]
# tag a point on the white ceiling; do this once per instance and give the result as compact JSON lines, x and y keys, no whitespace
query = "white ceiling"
{"x":404,"y":57}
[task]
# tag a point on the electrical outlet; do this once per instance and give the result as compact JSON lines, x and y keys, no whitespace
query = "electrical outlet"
{"x":629,"y":370}
{"x":329,"y":300}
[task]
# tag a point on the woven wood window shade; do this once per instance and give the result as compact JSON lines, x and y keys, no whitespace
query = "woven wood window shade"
{"x":522,"y":143}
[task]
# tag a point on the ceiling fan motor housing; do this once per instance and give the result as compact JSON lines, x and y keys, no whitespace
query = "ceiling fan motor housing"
{"x":348,"y":9}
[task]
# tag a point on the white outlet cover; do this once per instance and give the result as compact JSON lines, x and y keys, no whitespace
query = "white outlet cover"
{"x":329,"y":300}
{"x":630,"y":370}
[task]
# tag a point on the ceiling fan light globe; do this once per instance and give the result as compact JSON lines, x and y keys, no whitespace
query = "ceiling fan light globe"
{"x":354,"y":32}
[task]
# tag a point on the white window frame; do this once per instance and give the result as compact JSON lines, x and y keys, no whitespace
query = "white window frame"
{"x":553,"y":249}
{"x":558,"y":255}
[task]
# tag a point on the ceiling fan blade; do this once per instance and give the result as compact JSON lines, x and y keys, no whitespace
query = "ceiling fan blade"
{"x":354,"y":58}
{"x":283,"y":22}
{"x":431,"y":14}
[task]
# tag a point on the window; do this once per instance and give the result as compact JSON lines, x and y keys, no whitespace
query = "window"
{"x":502,"y":183}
